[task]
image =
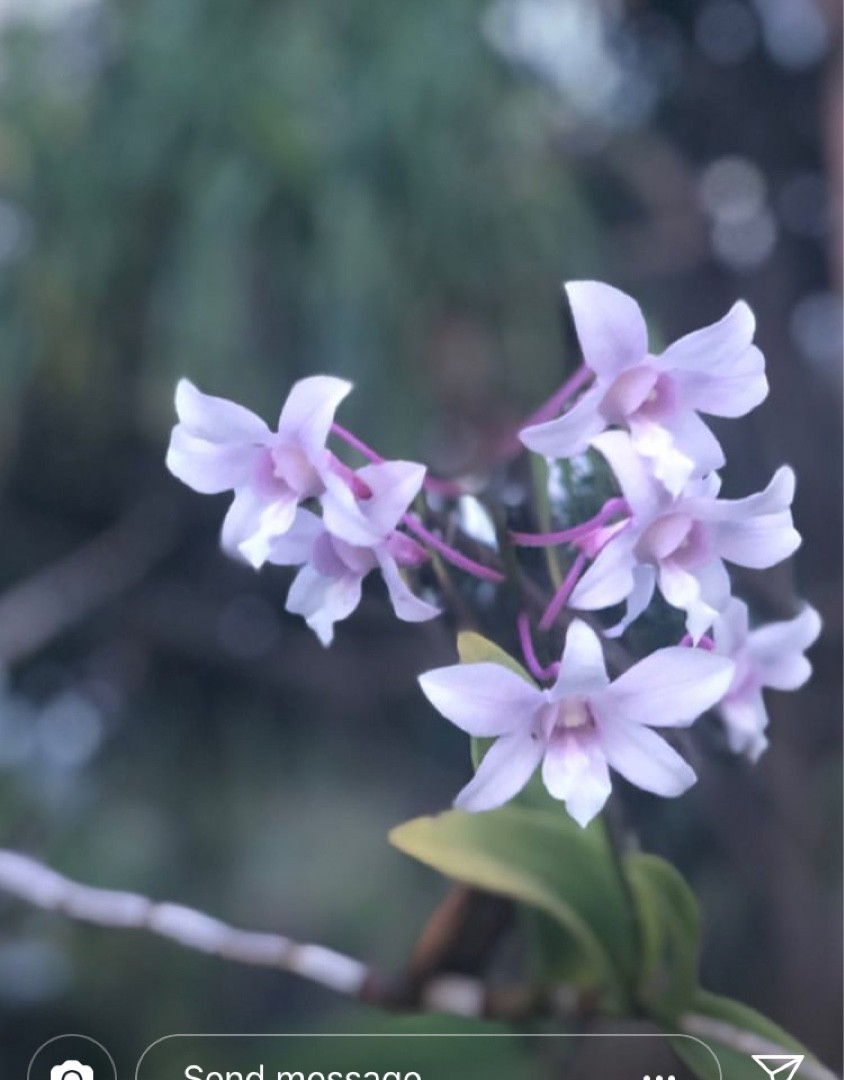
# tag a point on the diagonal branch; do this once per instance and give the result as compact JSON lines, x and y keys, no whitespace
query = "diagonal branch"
{"x":37,"y":884}
{"x":458,"y":995}
{"x":747,"y":1042}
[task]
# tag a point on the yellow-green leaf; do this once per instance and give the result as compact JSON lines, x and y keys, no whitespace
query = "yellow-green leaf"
{"x":542,"y":859}
{"x":474,"y":648}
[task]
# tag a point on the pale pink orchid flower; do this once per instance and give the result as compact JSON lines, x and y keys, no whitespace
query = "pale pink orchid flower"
{"x":221,"y":446}
{"x":582,"y":726}
{"x":679,"y":545}
{"x":356,"y":534}
{"x":716,"y":370}
{"x":771,"y":656}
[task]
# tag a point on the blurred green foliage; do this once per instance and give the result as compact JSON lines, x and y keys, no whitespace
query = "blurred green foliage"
{"x":246,"y":193}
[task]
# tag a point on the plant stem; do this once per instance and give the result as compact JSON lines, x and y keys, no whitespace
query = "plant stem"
{"x":430,"y":483}
{"x":450,"y":554}
{"x":562,"y":594}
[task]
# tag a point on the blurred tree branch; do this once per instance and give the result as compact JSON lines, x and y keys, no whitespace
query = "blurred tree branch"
{"x":455,"y":994}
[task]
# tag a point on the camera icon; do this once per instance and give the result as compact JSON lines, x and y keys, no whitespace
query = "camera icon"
{"x":72,"y":1070}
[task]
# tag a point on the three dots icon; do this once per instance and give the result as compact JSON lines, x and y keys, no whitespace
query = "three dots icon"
{"x":658,"y":1078}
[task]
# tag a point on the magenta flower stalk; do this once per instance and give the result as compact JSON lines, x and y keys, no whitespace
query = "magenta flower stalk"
{"x":577,"y":532}
{"x":562,"y":594}
{"x":512,"y":446}
{"x":432,"y":484}
{"x":450,"y":554}
{"x":555,"y":403}
{"x":531,"y":659}
{"x":705,"y":642}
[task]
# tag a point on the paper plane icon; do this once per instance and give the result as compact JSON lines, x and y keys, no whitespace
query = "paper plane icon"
{"x":779,"y":1066}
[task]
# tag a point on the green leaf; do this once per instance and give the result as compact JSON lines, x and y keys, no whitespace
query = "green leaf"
{"x":669,"y":935}
{"x":720,"y":1022}
{"x":474,"y":648}
{"x":542,"y":859}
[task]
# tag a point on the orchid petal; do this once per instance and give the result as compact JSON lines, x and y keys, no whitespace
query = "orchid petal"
{"x":506,"y":768}
{"x":631,"y":471}
{"x":694,"y":440}
{"x":323,"y":601}
{"x":407,"y":607}
{"x":758,"y":542}
{"x":644,"y":577}
{"x":215,"y":419}
{"x":681,"y":589}
{"x":669,"y":464}
{"x":344,"y":517}
{"x":610,"y":579}
{"x":570,"y":433}
{"x":273,"y":521}
{"x":730,"y":629}
{"x":242,"y":520}
{"x":712,"y":349}
{"x":670,"y":688}
{"x":745,"y":721}
{"x":482,"y":699}
{"x":610,"y":327}
{"x":209,"y":467}
{"x":582,"y":669}
{"x":776,"y":497}
{"x":394,"y":486}
{"x":776,"y":650}
{"x":732,"y":394}
{"x":575,"y":770}
{"x":308,"y":412}
{"x":296,"y":545}
{"x":643,"y":758}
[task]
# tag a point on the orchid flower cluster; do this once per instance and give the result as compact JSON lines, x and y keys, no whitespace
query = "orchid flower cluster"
{"x":297,"y":504}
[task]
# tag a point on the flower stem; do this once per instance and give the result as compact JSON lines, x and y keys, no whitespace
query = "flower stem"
{"x":450,"y":554}
{"x":512,"y":446}
{"x":576,"y":532}
{"x":562,"y":594}
{"x":356,"y":443}
{"x":438,"y":487}
{"x":534,"y":667}
{"x":555,"y":403}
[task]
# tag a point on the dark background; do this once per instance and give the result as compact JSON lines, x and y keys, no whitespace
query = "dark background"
{"x":246,"y":193}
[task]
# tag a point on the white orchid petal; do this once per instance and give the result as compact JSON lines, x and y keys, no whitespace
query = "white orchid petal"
{"x":308,"y":412}
{"x":644,"y":758}
{"x":632,"y":472}
{"x":574,"y":770}
{"x":216,"y":419}
{"x":483,"y":699}
{"x":582,"y":668}
{"x":610,"y":579}
{"x":506,"y":768}
{"x":777,"y":649}
{"x":407,"y":607}
{"x":570,"y":433}
{"x":394,"y":486}
{"x":610,"y":326}
{"x":670,"y":688}
{"x":209,"y":467}
{"x":713,"y":349}
{"x":323,"y":601}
